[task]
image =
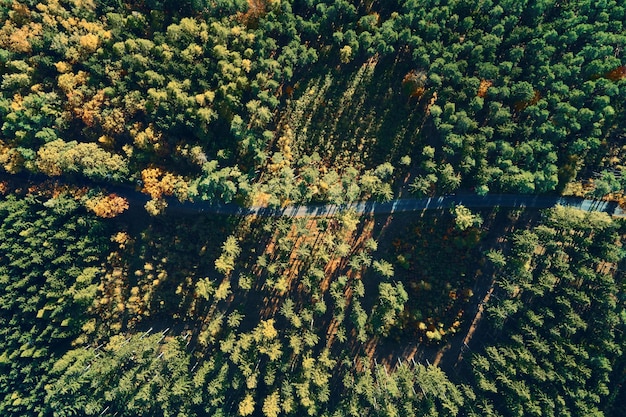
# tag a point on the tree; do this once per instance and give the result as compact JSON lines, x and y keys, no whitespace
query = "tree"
{"x":231,"y":247}
{"x":606,"y":184}
{"x":391,"y":301}
{"x":271,"y":405}
{"x":384,"y":268}
{"x":204,"y":288}
{"x":222,"y":291}
{"x":246,"y":406}
{"x":464,"y":218}
{"x":421,"y":186}
{"x":158,"y":184}
{"x":150,"y":371}
{"x":58,"y":157}
{"x":522,"y":92}
{"x":496,"y":258}
{"x":448,"y":180}
{"x":345,"y":54}
{"x":107,"y":206}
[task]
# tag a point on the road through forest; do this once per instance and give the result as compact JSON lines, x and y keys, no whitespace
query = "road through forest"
{"x":472,"y":201}
{"x":402,"y":205}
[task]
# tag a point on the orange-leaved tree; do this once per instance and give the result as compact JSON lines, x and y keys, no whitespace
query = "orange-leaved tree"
{"x":107,"y":206}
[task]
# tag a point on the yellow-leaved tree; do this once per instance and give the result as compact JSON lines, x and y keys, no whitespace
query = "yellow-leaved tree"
{"x":246,"y":406}
{"x":58,"y":157}
{"x":271,"y":405}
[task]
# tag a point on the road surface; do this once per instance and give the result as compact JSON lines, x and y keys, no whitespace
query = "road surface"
{"x":404,"y":205}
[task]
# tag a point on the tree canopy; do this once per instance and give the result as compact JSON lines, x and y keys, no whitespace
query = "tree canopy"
{"x":111,"y":308}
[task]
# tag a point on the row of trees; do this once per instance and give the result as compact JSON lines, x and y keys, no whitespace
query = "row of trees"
{"x":151,"y":374}
{"x":50,"y":267}
{"x":554,"y":323}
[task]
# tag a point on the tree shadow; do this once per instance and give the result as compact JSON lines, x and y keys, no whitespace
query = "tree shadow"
{"x":351,"y":118}
{"x":160,"y":260}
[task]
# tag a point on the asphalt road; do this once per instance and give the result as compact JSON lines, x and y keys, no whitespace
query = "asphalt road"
{"x":403,"y":205}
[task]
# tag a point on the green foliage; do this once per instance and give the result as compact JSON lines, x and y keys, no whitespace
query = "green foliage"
{"x":274,"y":103}
{"x":501,"y":101}
{"x":410,"y":389}
{"x":556,"y":318}
{"x":464,"y":218}
{"x":49,"y":270}
{"x":57,"y":157}
{"x":391,"y":301}
{"x":143,"y":374}
{"x":606,"y":184}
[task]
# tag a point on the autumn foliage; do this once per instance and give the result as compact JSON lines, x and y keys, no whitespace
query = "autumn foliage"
{"x":414,"y":82}
{"x":107,"y":206}
{"x":484,"y":86}
{"x":617,"y":74}
{"x":158,"y":184}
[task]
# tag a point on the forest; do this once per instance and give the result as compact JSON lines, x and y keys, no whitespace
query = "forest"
{"x":117,"y":302}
